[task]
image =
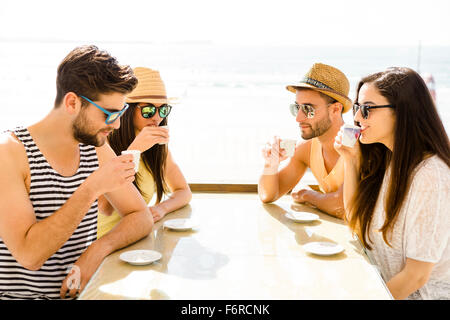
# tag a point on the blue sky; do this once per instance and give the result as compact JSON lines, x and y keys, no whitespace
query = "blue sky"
{"x":276,"y":22}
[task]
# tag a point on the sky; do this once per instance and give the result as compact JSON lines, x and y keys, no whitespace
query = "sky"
{"x":240,"y":22}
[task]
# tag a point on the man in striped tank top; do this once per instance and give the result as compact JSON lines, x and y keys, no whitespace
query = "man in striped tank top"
{"x":52,"y":173}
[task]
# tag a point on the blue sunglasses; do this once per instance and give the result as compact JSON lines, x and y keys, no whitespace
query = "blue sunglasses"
{"x":111,"y":116}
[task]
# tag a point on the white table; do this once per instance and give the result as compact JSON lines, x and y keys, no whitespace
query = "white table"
{"x":242,"y":249}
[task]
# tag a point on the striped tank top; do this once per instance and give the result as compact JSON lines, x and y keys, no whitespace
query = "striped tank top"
{"x":48,"y":192}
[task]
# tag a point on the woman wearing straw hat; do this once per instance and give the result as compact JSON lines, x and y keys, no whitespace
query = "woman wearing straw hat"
{"x":144,"y":128}
{"x":397,"y":183}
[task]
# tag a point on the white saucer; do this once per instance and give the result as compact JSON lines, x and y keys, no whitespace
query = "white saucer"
{"x":180,"y":224}
{"x":302,"y":216}
{"x":140,"y":257}
{"x":323,"y":248}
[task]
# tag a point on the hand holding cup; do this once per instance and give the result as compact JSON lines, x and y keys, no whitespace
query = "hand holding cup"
{"x":148,"y":137}
{"x":113,"y":174}
{"x":273,"y":155}
{"x":346,"y":141}
{"x":136,"y":158}
{"x":289,"y":146}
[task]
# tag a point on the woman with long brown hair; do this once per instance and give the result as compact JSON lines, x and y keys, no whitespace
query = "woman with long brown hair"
{"x":143,"y":127}
{"x":397,"y":183}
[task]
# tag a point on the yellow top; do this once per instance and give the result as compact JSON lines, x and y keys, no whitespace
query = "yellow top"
{"x":328,"y":182}
{"x":146,"y":182}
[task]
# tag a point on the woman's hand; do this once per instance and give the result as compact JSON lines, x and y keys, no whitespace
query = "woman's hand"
{"x":351,"y":156}
{"x":157,"y":213}
{"x":148,"y":137}
{"x":348,"y":153}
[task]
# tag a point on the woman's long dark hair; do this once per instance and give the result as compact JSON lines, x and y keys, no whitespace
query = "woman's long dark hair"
{"x":154,"y":158}
{"x":418,"y":134}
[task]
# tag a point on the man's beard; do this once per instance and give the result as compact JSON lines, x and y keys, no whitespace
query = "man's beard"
{"x":81,"y":132}
{"x":320,"y":128}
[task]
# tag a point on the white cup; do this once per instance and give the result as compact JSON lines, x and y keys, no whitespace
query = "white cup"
{"x":350,"y":134}
{"x":167,"y":127}
{"x":289,"y":146}
{"x":136,"y":157}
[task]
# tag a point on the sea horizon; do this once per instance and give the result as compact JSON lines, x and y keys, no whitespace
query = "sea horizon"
{"x":232,"y":98}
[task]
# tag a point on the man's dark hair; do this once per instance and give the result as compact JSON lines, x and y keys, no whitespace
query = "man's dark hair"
{"x":88,"y":71}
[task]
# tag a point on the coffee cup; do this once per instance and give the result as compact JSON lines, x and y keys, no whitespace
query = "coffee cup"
{"x":166,"y":127}
{"x":350,"y":134}
{"x":289,"y":146}
{"x":136,"y":157}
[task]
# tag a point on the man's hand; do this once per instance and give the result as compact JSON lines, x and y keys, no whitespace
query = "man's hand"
{"x":330,"y":203}
{"x":299,"y":196}
{"x":81,"y":272}
{"x":273,"y":155}
{"x":113,"y":175}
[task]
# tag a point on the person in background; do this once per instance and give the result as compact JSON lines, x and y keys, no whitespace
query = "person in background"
{"x":321,"y":98}
{"x":52,"y":173}
{"x":143,"y":129}
{"x":397,"y":183}
{"x":429,"y":81}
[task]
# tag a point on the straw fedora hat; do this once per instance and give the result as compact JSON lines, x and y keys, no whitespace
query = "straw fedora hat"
{"x":328,"y":80}
{"x":150,"y":87}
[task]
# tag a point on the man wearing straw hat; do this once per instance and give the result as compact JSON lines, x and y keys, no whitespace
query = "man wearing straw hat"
{"x":54,"y":171}
{"x":321,"y":98}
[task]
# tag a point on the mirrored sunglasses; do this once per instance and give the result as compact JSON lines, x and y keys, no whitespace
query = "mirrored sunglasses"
{"x":307,"y":109}
{"x":149,"y":110}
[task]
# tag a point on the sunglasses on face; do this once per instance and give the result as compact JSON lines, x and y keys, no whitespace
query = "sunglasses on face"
{"x":365,"y":109}
{"x":307,"y":109}
{"x":110,"y":116}
{"x":149,"y":110}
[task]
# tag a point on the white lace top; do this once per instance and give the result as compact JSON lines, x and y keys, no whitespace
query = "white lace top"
{"x":422,"y":229}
